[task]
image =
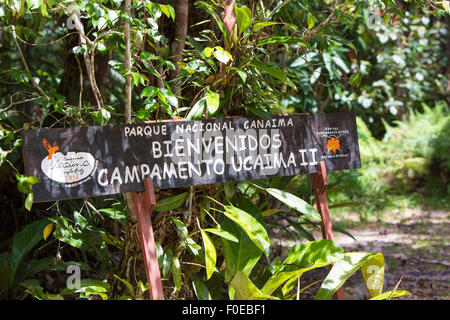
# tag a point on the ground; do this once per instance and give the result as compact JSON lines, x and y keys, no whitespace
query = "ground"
{"x":415,"y":244}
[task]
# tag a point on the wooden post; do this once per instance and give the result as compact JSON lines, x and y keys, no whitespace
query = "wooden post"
{"x":320,"y":184}
{"x":145,"y":203}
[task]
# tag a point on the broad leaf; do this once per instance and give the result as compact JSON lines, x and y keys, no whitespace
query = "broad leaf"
{"x":212,"y":101}
{"x":176,"y":272}
{"x":341,"y":271}
{"x":311,"y":21}
{"x":244,"y":254}
{"x":222,"y":233}
{"x":197,"y":110}
{"x":391,"y":294}
{"x":167,"y":262}
{"x":171,"y":203}
{"x":243,"y":17}
{"x":301,"y":258}
{"x":295,"y":203}
{"x":29,"y":201}
{"x":210,"y":254}
{"x":181,"y":228}
{"x":373,"y":274}
{"x":246,"y":290}
{"x":23,"y":242}
{"x":251,"y":226}
{"x":201,"y":291}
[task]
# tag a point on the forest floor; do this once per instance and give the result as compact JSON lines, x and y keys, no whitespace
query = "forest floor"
{"x":415,"y":244}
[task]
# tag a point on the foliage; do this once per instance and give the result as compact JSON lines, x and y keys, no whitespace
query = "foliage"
{"x":62,"y":63}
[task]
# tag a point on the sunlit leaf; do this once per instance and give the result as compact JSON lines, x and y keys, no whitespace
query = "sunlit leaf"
{"x":295,"y":203}
{"x":243,"y":17}
{"x":212,"y":101}
{"x":222,"y":233}
{"x":392,"y":294}
{"x":246,"y":290}
{"x":251,"y":226}
{"x":340,"y":272}
{"x":29,"y":201}
{"x":176,"y":272}
{"x":210,"y":254}
{"x":373,"y":274}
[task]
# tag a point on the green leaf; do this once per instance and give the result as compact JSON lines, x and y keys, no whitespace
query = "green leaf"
{"x":355,"y":79}
{"x":176,"y":273}
{"x":243,"y":17}
{"x":25,"y":183}
{"x":210,"y":254}
{"x":201,"y":291}
{"x":259,"y":25}
{"x":197,"y":110}
{"x":340,"y":41}
{"x":395,"y":288}
{"x":340,"y":272}
{"x":283,"y":40}
{"x":181,"y":228}
{"x":244,"y":254}
{"x":171,"y":203}
{"x":228,"y":188}
{"x":205,"y":6}
{"x":295,"y":203}
{"x":316,"y":75}
{"x":29,"y":201}
{"x":89,"y":287}
{"x":245,"y":289}
{"x":392,"y":294}
{"x":23,"y":242}
{"x":212,"y":101}
{"x":274,"y":72}
{"x":259,"y":112}
{"x":301,"y":258}
{"x":167,"y":262}
{"x":222,"y":233}
{"x":262,"y":24}
{"x":168,"y":10}
{"x":311,"y":21}
{"x":242,"y":74}
{"x":256,"y":232}
{"x":127,"y":284}
{"x":159,"y":252}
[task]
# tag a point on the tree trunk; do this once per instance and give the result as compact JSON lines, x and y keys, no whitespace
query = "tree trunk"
{"x":181,"y":24}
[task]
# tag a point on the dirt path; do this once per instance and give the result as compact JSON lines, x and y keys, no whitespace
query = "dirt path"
{"x":415,"y":243}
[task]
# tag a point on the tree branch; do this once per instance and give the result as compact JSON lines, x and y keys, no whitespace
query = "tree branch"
{"x":25,"y":63}
{"x":89,"y":60}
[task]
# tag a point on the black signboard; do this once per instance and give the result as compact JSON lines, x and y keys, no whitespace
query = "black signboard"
{"x":99,"y":160}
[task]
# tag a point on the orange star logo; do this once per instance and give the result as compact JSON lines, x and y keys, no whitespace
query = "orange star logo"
{"x":333,"y":145}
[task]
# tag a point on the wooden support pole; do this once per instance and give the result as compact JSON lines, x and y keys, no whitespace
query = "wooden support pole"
{"x":145,"y":203}
{"x":320,"y":184}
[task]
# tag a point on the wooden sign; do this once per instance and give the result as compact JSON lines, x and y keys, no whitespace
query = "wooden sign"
{"x":100,"y":160}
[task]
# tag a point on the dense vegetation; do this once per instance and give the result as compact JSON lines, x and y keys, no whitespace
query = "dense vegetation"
{"x":79,"y":63}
